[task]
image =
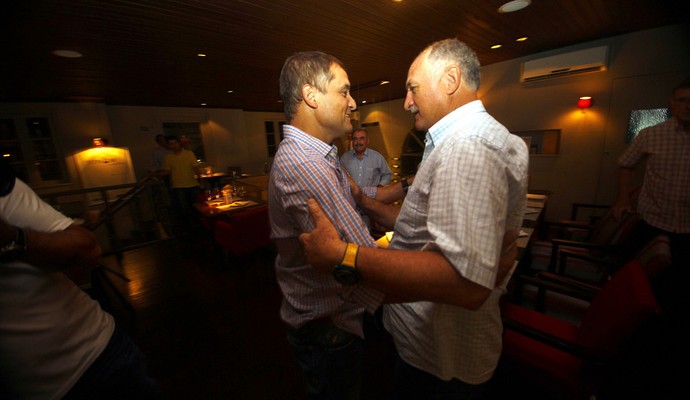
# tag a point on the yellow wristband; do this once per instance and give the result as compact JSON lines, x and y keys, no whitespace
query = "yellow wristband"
{"x":350,"y":257}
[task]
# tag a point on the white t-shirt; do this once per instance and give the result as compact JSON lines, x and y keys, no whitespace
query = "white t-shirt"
{"x":50,"y":330}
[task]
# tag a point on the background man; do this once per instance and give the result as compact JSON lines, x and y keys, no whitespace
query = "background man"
{"x":468,"y":197}
{"x":181,"y":166}
{"x":366,"y":166}
{"x":664,"y":201}
{"x":664,"y":208}
{"x":159,"y":153}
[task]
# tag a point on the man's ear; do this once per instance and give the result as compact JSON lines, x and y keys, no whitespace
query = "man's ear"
{"x":309,"y":94}
{"x":452,"y":79}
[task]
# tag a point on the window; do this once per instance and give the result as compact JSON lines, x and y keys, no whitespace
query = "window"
{"x":28,"y":144}
{"x":273,"y":138}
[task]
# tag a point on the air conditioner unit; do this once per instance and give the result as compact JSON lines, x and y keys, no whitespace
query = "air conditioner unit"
{"x":576,"y":62}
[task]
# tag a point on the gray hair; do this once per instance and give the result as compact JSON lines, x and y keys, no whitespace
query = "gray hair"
{"x":453,"y":51}
{"x":311,"y":67}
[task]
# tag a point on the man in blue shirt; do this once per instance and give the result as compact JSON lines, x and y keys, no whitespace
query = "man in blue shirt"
{"x":366,"y":166}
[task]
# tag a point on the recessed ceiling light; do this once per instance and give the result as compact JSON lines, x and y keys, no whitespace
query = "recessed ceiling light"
{"x":201,"y":55}
{"x":203,"y":104}
{"x":514,"y":5}
{"x":67,"y":53}
{"x":522,"y":39}
{"x":231,"y":91}
{"x":496,"y":46}
{"x":364,"y":102}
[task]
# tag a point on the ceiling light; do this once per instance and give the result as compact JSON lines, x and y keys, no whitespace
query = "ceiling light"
{"x":203,"y":104}
{"x":231,"y":91}
{"x":67,"y":54}
{"x":522,"y":39}
{"x":514,"y":5}
{"x":201,"y":55}
{"x":384,"y":82}
{"x":496,"y":46}
{"x":364,"y":102}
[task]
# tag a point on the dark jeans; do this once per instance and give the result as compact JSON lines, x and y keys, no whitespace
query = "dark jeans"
{"x":330,"y":359}
{"x":414,"y":384}
{"x":118,"y":373}
{"x":182,"y":200}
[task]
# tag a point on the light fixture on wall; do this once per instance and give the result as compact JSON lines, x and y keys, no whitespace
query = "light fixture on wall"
{"x":584,"y":102}
{"x":97,"y":142}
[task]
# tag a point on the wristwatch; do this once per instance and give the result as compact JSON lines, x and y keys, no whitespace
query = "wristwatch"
{"x":15,"y":248}
{"x":346,"y":272}
{"x":405,"y":185}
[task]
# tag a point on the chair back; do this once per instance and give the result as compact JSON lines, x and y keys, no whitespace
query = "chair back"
{"x":623,"y":304}
{"x":610,"y":232}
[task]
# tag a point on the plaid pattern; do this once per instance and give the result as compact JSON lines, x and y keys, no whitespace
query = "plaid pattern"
{"x":304,"y":168}
{"x":470,"y":188}
{"x":664,"y":201}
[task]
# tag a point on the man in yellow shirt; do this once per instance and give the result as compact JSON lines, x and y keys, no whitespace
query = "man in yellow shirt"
{"x":181,"y":165}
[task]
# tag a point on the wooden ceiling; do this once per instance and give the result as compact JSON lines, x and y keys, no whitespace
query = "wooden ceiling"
{"x":144,"y":52}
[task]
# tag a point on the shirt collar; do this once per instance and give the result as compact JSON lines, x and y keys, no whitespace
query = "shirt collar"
{"x":440,"y":129}
{"x":318,"y":145}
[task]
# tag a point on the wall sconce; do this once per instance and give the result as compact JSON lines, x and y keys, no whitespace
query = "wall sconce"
{"x":584,"y":102}
{"x":97,"y":142}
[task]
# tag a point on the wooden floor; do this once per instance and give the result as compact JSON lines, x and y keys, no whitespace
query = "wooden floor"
{"x":210,"y":333}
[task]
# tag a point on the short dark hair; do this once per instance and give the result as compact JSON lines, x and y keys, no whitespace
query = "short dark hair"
{"x":310,"y":67}
{"x":171,"y":137}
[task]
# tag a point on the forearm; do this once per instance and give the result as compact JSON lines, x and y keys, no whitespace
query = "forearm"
{"x":418,"y":276}
{"x":625,"y":183}
{"x":72,"y":246}
{"x":384,"y":214}
{"x":392,"y":192}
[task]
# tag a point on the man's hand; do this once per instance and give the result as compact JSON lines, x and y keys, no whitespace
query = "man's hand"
{"x":509,"y":251}
{"x":355,"y":190}
{"x":322,"y":246}
{"x":620,"y":207}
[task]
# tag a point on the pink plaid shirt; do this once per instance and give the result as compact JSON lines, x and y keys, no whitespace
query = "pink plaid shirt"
{"x":664,"y":201}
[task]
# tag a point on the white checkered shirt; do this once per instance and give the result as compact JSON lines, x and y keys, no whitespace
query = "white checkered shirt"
{"x":470,"y":188}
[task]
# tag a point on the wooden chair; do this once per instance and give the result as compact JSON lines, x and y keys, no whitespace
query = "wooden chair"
{"x":571,"y":361}
{"x":599,"y":242}
{"x":654,"y":257}
{"x":243,"y":233}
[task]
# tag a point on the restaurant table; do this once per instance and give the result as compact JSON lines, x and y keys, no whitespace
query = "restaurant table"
{"x":213,"y":180}
{"x":216,"y":208}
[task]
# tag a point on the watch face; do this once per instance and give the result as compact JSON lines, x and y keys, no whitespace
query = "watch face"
{"x":345,"y":275}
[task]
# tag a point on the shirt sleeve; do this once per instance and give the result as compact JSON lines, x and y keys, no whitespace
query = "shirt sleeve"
{"x":467,"y":209}
{"x":386,"y":173}
{"x":24,"y":208}
{"x":322,"y":183}
{"x":634,"y":154}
